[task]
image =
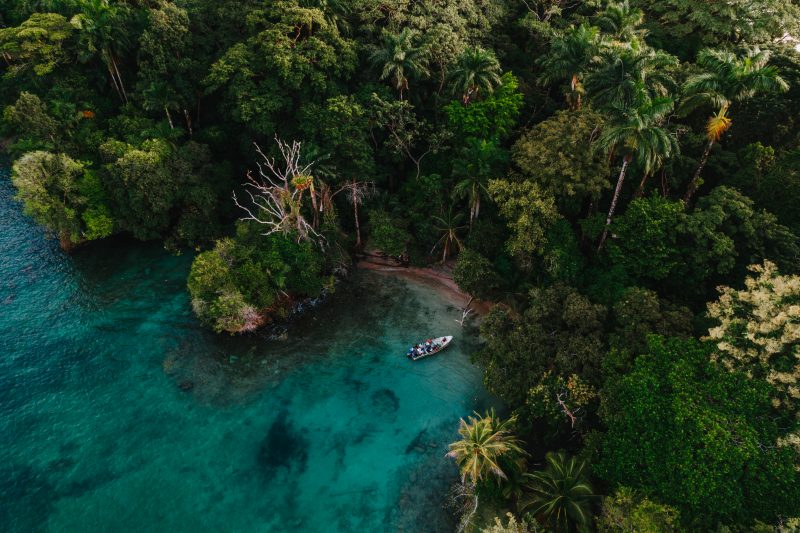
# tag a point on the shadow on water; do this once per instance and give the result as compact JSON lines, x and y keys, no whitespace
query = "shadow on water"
{"x":284,"y":447}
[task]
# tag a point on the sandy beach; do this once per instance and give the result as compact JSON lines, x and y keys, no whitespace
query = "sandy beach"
{"x":438,"y":278}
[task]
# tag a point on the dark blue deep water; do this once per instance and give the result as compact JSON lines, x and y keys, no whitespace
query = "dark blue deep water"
{"x":330,"y":429}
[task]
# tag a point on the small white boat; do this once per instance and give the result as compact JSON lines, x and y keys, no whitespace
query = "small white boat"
{"x":438,"y":344}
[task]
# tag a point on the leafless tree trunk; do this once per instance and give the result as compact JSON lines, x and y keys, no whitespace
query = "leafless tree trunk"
{"x":119,"y":77}
{"x":357,"y":191}
{"x":614,"y":200}
{"x":169,"y":118}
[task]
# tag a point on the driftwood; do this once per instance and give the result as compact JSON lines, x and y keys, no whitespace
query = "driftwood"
{"x":466,"y":312}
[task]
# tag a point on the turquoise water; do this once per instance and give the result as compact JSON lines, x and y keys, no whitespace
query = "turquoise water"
{"x":330,"y":429}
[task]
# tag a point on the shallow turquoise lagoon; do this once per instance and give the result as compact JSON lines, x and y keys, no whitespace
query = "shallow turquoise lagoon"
{"x":330,"y":429}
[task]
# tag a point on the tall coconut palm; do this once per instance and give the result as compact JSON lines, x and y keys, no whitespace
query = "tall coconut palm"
{"x":622,"y":22}
{"x":398,"y":59}
{"x":637,"y":134}
{"x":571,"y":55}
{"x":486,"y":443}
{"x":727,"y":78}
{"x":476,"y":70}
{"x":450,"y":228}
{"x":101,"y":34}
{"x":623,"y":71}
{"x":560,"y":494}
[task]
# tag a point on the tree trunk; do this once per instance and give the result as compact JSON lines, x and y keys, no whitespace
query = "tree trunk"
{"x":169,"y":118}
{"x":614,"y":200}
{"x":695,"y":183}
{"x":114,"y":81}
{"x":313,"y":192}
{"x":640,"y":190}
{"x":119,"y":78}
{"x":358,"y":225}
{"x":188,"y":121}
{"x":197,"y":115}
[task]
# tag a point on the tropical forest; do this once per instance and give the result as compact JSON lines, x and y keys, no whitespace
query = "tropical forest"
{"x":238,"y":233}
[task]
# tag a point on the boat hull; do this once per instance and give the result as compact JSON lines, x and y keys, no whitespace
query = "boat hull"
{"x":440,"y":342}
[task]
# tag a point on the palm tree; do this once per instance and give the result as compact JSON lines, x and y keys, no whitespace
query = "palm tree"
{"x":475,"y":166}
{"x":560,"y":494}
{"x":99,"y":24}
{"x":477,"y":69}
{"x":625,"y":70}
{"x":637,"y":133}
{"x":398,"y":58}
{"x":571,"y":55}
{"x":727,"y":78}
{"x":622,"y":22}
{"x":449,"y":227}
{"x":486,"y":442}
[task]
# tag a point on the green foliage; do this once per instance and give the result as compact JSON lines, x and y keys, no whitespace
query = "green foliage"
{"x":493,"y":117}
{"x":725,"y":232}
{"x":560,"y":330}
{"x":638,"y":313}
{"x":36,"y":46}
{"x":62,"y":195}
{"x":475,"y":274}
{"x":562,"y":259}
{"x":387,"y":234}
{"x":303,"y":53}
{"x":627,"y":510}
{"x":560,"y":494}
{"x":557,"y":155}
{"x":644,"y":238}
{"x":31,"y":118}
{"x":151,"y":183}
{"x":529,"y":210}
{"x":697,"y":438}
{"x":686,"y":25}
{"x":244,"y":282}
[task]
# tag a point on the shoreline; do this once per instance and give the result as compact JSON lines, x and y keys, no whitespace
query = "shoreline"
{"x":438,"y":280}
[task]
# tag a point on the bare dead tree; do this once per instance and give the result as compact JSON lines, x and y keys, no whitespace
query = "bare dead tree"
{"x":565,"y":409}
{"x":276,"y":193}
